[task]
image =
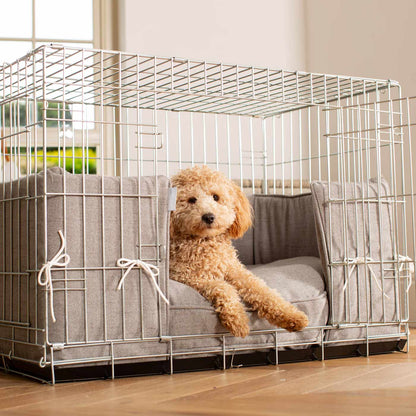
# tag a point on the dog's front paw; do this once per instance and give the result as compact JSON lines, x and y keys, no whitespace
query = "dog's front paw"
{"x":239,"y":330}
{"x":294,"y":322}
{"x":290,"y":319}
{"x":237,"y":324}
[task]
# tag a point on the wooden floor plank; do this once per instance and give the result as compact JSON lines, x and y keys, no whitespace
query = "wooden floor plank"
{"x":378,"y":385}
{"x":156,"y":390}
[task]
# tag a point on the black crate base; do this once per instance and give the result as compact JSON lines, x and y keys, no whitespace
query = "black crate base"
{"x":260,"y":358}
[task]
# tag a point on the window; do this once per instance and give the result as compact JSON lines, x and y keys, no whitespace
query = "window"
{"x":27,"y":24}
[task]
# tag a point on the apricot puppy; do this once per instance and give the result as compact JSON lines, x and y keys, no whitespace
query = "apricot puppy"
{"x":210,"y":211}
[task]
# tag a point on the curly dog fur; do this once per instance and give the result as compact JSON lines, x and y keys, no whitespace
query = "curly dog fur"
{"x":210,"y":211}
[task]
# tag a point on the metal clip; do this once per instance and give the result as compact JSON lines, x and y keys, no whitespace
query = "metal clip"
{"x":58,"y":346}
{"x":172,"y":199}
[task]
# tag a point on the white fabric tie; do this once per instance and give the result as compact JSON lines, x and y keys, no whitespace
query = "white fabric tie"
{"x":151,"y":270}
{"x":45,"y":273}
{"x":362,"y":260}
{"x":406,"y":260}
{"x":411,"y":265}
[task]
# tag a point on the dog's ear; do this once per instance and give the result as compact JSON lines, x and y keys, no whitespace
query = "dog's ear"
{"x":171,"y":226}
{"x":243,"y":214}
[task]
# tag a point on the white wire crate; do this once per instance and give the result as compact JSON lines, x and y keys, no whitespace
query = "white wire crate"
{"x":125,"y":119}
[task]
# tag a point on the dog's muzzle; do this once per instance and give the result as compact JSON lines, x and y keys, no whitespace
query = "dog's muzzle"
{"x":208,"y":218}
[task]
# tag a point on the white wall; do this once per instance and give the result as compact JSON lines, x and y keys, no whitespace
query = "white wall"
{"x":262,"y":33}
{"x":371,"y":38}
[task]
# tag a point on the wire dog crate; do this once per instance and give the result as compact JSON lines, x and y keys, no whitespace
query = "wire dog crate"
{"x":123,"y":123}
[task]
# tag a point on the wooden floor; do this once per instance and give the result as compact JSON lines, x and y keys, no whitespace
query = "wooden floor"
{"x":379,"y":385}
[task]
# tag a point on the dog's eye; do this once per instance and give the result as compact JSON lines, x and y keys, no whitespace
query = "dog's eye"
{"x":192,"y":200}
{"x":216,"y":197}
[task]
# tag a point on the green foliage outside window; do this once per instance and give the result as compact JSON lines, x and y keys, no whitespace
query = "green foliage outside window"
{"x":72,"y":159}
{"x":75,"y":160}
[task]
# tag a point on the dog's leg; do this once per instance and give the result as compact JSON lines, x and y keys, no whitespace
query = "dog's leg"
{"x":226,"y":301}
{"x":268,"y":303}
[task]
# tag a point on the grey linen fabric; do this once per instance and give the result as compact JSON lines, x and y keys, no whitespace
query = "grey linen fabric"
{"x":101,"y":227}
{"x":283,"y":228}
{"x":21,"y":220}
{"x":359,"y":227}
{"x":92,"y":276}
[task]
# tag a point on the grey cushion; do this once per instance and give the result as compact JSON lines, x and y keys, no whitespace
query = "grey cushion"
{"x":283,"y":228}
{"x":80,"y":313}
{"x":298,"y":280}
{"x":351,"y":230}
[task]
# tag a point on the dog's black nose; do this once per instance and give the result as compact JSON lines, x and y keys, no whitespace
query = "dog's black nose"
{"x":208,"y":218}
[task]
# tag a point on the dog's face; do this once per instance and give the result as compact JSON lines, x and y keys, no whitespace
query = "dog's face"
{"x":208,"y":204}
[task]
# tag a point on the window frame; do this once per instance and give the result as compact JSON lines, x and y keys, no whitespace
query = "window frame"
{"x":33,"y":39}
{"x":104,"y":35}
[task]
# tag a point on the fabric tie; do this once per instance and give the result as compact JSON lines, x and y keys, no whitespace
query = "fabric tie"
{"x":406,"y":259}
{"x":362,"y":260}
{"x":411,"y":267}
{"x":151,"y":270}
{"x":45,"y":273}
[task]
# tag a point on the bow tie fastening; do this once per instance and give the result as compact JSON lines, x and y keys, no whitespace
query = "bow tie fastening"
{"x":151,"y":270}
{"x":353,"y":262}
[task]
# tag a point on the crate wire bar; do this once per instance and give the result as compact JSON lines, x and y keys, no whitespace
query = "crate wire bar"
{"x":114,"y":114}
